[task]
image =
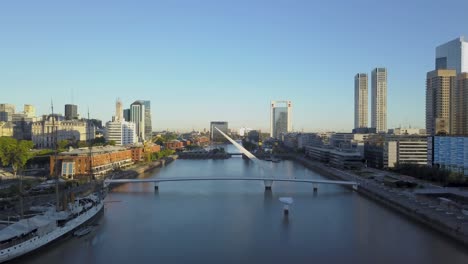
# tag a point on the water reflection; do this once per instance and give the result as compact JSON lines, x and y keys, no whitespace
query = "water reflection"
{"x":238,"y":222}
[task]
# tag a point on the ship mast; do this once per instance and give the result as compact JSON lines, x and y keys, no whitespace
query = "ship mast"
{"x":54,"y":134}
{"x":90,"y":146}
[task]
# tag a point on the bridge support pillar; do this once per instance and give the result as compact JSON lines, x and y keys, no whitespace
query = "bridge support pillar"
{"x":286,"y":209}
{"x":268,"y":185}
{"x":156,"y":186}
{"x":315,"y":186}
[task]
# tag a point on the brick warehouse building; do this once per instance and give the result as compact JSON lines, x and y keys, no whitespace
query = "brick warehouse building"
{"x":76,"y":162}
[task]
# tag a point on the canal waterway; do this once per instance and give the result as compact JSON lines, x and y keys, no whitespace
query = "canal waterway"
{"x":238,"y":222}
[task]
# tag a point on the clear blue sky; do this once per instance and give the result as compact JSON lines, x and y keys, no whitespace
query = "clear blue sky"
{"x":199,"y":61}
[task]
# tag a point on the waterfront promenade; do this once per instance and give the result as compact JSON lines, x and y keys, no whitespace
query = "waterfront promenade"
{"x":450,"y":221}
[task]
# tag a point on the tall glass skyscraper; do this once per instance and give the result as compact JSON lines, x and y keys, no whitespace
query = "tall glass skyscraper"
{"x":137,"y":116}
{"x":453,"y":55}
{"x":280,"y":118}
{"x":140,"y":114}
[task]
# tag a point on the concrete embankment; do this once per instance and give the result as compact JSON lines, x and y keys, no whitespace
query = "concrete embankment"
{"x":419,"y":211}
{"x":203,"y":155}
{"x":135,"y":171}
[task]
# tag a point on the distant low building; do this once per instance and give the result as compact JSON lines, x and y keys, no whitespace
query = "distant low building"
{"x":302,"y":140}
{"x":337,"y":158}
{"x":364,"y":130}
{"x":386,"y":151}
{"x":407,"y":131}
{"x":349,"y":141}
{"x":6,"y":129}
{"x":122,"y":133}
{"x":174,"y":145}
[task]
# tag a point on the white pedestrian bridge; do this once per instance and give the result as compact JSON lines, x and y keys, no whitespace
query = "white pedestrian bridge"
{"x":268,"y":181}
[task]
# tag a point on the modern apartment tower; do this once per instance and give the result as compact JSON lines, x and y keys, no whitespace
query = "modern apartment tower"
{"x":148,"y":127}
{"x":360,"y":101}
{"x":71,"y":112}
{"x":453,"y":55}
{"x":379,"y":100}
{"x":137,"y":116}
{"x":439,"y":87}
{"x":280,"y":118}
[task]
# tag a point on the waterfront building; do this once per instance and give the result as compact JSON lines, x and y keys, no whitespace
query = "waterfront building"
{"x":253,"y":137}
{"x":174,"y":144}
{"x":379,"y":100}
{"x":386,"y":151}
{"x":77,"y":162}
{"x":439,"y":87}
{"x":71,"y":112}
{"x":360,"y":101}
{"x":453,"y":55}
{"x":450,"y":152}
{"x":280,"y":118}
{"x":301,"y":140}
{"x":45,"y":131}
{"x":215,"y":136}
{"x":349,"y":141}
{"x":344,"y":159}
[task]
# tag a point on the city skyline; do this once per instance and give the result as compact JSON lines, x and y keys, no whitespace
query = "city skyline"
{"x":155,"y":53}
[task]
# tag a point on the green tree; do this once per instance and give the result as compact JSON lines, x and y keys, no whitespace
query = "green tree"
{"x":82,"y":144}
{"x":16,"y":153}
{"x":111,"y":143}
{"x":63,"y":144}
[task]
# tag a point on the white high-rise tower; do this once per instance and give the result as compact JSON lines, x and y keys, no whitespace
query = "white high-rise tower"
{"x":361,"y":111}
{"x":379,"y":100}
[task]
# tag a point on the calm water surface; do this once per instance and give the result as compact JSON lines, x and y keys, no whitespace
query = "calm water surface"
{"x":237,"y":222}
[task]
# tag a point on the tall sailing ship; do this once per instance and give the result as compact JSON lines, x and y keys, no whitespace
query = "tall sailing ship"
{"x":49,"y":225}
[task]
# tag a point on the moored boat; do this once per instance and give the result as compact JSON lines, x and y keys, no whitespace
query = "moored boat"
{"x":32,"y":233}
